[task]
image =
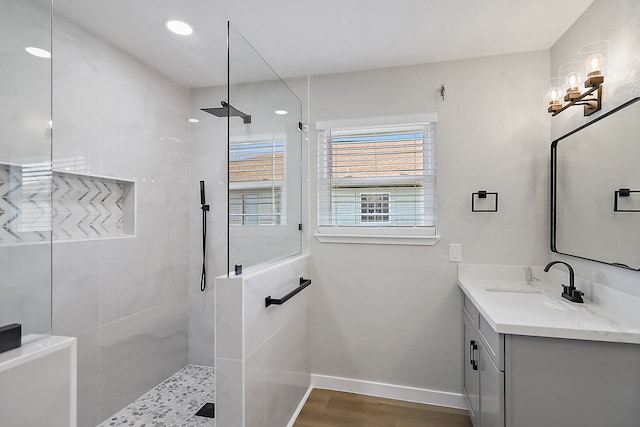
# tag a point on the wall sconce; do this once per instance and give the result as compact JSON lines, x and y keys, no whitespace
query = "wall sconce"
{"x":591,"y":99}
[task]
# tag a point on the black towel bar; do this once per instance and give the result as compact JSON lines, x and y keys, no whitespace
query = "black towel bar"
{"x":273,"y":301}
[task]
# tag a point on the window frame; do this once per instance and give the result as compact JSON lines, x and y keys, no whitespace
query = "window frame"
{"x":372,"y":233}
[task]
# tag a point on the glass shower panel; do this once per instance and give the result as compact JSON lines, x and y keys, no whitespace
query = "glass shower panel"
{"x":265,"y":158}
{"x":25,"y":166}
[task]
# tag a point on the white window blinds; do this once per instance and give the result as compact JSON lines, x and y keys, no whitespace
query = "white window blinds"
{"x":377,"y":177}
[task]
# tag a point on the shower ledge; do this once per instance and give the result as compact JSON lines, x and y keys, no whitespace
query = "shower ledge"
{"x":33,"y":350}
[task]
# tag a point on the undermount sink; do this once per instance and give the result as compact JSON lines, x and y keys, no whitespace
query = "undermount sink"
{"x":539,"y":295}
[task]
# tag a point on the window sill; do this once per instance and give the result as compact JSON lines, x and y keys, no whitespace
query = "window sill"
{"x":376,"y":237}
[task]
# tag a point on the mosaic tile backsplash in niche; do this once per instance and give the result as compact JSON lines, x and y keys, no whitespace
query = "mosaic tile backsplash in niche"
{"x":35,"y":201}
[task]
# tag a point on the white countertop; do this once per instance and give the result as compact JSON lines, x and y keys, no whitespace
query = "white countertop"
{"x":513,"y":306}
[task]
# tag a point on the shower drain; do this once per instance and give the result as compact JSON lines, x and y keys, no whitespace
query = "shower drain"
{"x":208,"y":410}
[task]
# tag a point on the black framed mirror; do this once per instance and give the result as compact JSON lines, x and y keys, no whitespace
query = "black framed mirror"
{"x":595,"y":189}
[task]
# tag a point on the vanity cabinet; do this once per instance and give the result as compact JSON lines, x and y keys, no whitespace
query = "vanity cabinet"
{"x":483,"y":372}
{"x":531,"y":381}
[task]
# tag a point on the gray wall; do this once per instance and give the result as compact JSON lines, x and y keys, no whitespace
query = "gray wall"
{"x":617,"y":21}
{"x":125,"y":299}
{"x":391,"y":314}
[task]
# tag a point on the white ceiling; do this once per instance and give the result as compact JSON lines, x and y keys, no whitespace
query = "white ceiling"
{"x":305,"y":37}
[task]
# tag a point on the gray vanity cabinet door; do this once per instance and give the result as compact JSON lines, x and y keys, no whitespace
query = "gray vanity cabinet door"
{"x":491,"y":392}
{"x":471,"y":377}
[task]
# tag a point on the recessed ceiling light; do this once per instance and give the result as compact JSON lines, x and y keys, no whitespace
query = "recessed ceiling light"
{"x":179,"y":27}
{"x":194,"y":121}
{"x":36,"y":51}
{"x":281,"y":112}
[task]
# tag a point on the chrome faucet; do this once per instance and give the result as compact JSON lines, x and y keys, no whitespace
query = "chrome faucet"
{"x":568,"y":292}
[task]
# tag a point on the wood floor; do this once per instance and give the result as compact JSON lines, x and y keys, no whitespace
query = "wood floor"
{"x":326,"y":408}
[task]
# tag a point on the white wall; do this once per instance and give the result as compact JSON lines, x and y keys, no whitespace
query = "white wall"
{"x":391,"y":314}
{"x":125,"y":299}
{"x":617,"y":21}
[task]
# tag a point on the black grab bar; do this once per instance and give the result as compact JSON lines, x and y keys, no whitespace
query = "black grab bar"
{"x":273,"y":301}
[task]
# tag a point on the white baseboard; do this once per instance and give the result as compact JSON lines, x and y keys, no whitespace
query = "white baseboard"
{"x":300,"y":406}
{"x":389,"y":391}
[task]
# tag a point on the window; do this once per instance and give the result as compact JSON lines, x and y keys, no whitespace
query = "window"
{"x":256,"y":181}
{"x":374,"y":207}
{"x":377,"y":180}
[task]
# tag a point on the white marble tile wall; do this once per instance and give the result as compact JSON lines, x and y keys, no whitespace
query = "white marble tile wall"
{"x":277,"y":374}
{"x":25,"y":287}
{"x":230,"y":392}
{"x":230,"y":326}
{"x":37,"y":386}
{"x":208,"y":142}
{"x":25,"y":82}
{"x":263,"y":354}
{"x":25,"y":110}
{"x":260,"y":322}
{"x":125,"y":299}
{"x":202,"y":327}
{"x":89,"y":378}
{"x":138,"y":351}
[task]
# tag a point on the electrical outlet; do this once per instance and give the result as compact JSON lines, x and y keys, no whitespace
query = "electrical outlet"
{"x":455,"y":252}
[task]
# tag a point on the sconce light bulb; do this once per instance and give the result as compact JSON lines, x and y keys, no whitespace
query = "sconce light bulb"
{"x":555,"y":95}
{"x":594,"y":64}
{"x":573,"y":81}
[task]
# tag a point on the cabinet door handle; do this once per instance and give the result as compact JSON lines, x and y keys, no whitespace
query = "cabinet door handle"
{"x":471,"y":344}
{"x":473,"y":347}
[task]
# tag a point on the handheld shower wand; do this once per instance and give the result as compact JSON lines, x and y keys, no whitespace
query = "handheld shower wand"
{"x":205,"y":209}
{"x":202,"y":200}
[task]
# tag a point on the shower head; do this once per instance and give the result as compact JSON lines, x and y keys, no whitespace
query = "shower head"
{"x":228,"y":111}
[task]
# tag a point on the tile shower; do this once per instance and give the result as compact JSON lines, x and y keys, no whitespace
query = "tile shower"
{"x":126,"y":298}
{"x":116,"y":193}
{"x":99,"y":218}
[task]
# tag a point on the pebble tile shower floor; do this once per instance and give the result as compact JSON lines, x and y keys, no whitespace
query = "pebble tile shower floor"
{"x":172,"y":403}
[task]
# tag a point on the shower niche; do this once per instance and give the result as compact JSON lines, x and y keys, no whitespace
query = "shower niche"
{"x":39,"y":203}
